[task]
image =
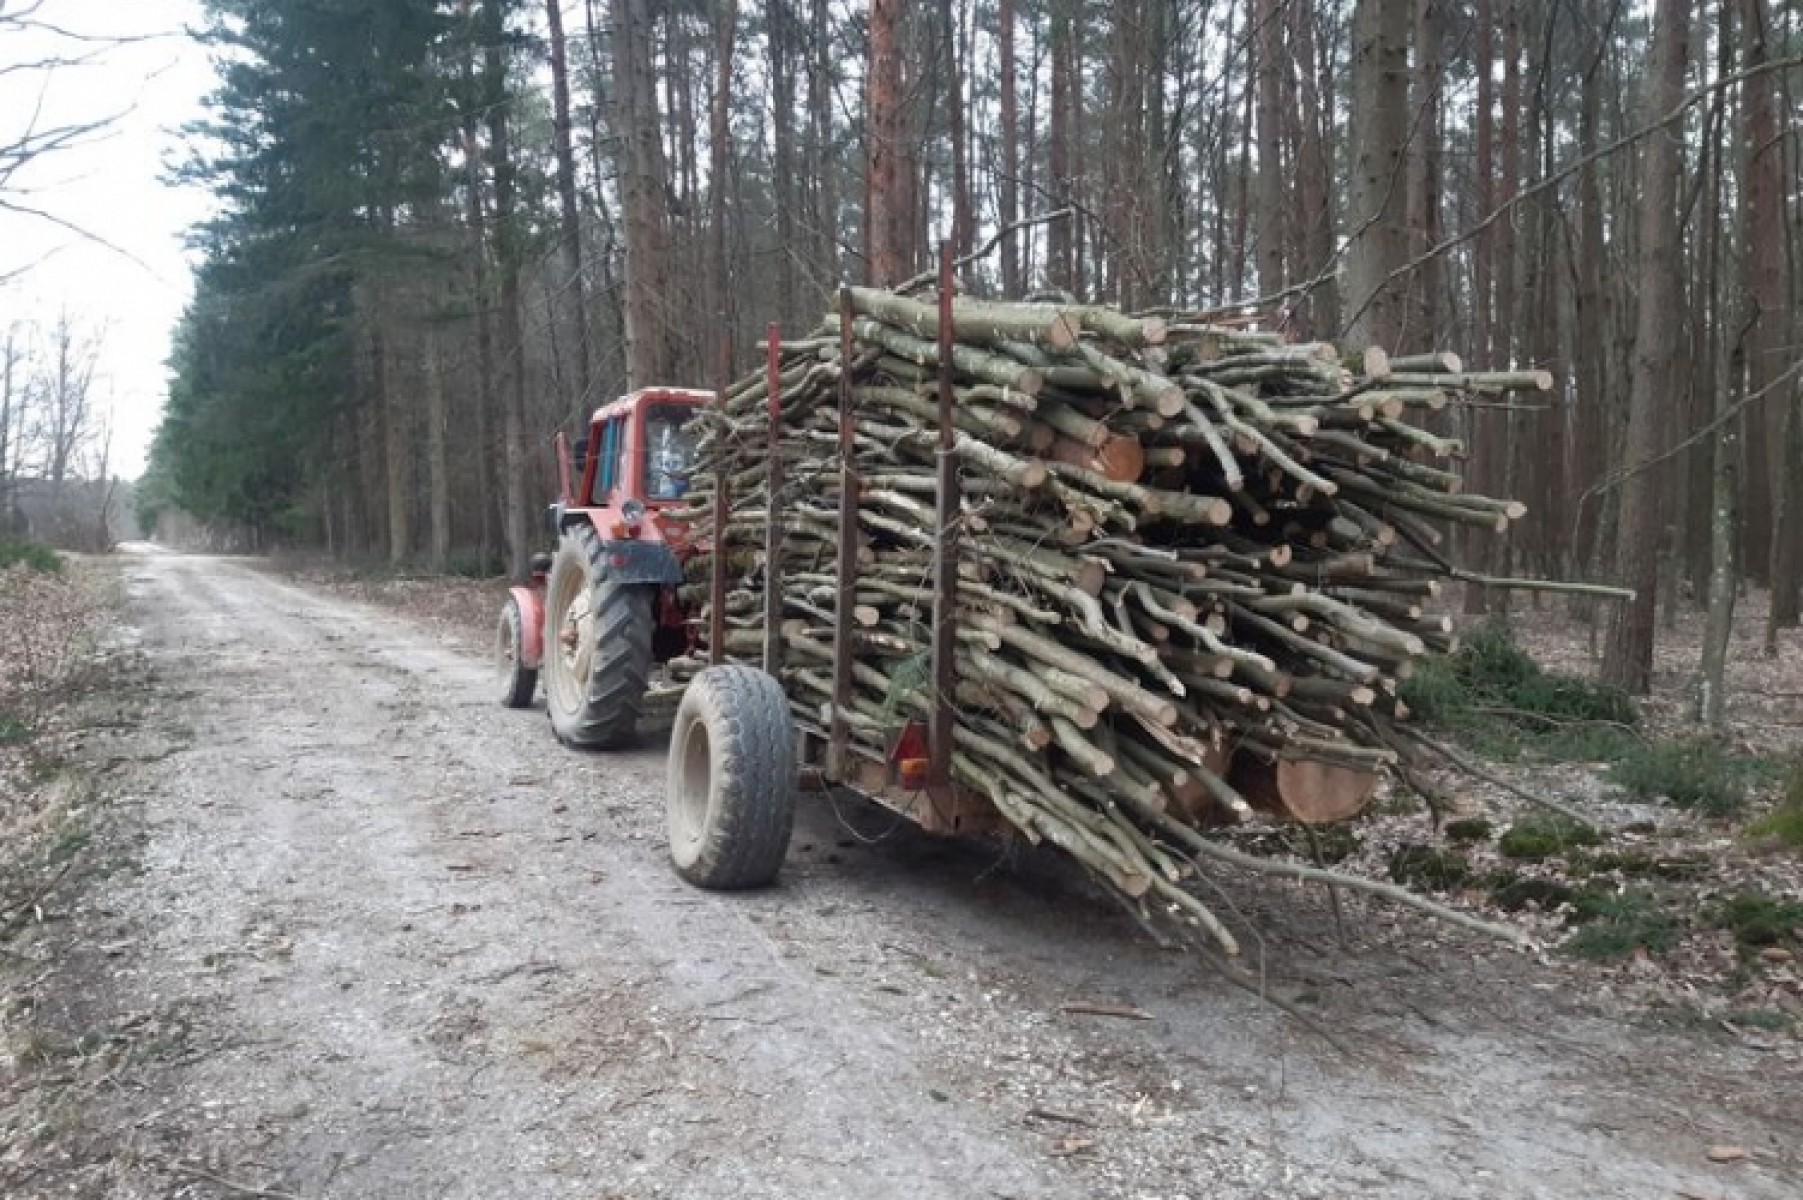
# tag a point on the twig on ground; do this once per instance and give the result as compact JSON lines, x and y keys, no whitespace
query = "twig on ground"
{"x":242,"y":1189}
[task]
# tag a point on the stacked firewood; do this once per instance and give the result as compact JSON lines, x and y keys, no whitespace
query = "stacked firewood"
{"x":1195,"y":563}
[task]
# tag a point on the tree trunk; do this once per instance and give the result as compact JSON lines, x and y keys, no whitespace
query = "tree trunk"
{"x":963,"y":226}
{"x":726,"y":19}
{"x":438,"y":454}
{"x":1315,"y":183}
{"x":644,"y":183}
{"x":1590,"y":454}
{"x":1764,"y":321}
{"x":1275,"y":182}
{"x":569,"y":214}
{"x":514,"y":527}
{"x":1378,"y":215}
{"x":779,"y":33}
{"x":887,"y":214}
{"x":397,"y":446}
{"x":1628,"y":656}
{"x":1425,"y":168}
{"x":1061,"y":264}
{"x":1008,"y":199}
{"x":825,"y":160}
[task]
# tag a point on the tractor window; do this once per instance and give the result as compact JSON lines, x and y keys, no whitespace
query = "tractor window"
{"x":669,"y":451}
{"x":606,"y":476}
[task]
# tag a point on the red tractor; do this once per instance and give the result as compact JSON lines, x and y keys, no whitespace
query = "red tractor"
{"x":601,"y":612}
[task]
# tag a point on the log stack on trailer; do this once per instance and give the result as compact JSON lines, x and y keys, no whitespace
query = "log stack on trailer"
{"x":1177,"y":571}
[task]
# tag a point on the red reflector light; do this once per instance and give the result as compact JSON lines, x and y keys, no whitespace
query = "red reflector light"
{"x":618,"y":560}
{"x":913,"y":773}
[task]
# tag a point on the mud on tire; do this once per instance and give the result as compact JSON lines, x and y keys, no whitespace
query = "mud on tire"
{"x":597,"y":653}
{"x":731,"y":797}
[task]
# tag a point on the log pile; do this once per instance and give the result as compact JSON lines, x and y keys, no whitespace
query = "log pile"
{"x":1194,"y":564}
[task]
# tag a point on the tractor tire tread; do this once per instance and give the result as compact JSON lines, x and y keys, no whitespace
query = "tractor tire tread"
{"x":621,"y":670}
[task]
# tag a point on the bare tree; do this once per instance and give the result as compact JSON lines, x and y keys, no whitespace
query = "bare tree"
{"x":28,"y":137}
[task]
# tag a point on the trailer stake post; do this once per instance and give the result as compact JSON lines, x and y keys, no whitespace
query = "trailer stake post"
{"x":839,"y":736}
{"x":716,"y":575}
{"x":945,"y":552}
{"x":773,"y":528}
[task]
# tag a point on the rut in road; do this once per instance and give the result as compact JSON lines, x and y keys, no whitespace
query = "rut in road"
{"x":425,"y":952}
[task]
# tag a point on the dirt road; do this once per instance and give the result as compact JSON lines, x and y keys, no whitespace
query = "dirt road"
{"x":416,"y":949}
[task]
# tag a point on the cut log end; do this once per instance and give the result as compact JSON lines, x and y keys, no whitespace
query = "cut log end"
{"x":1305,"y":790}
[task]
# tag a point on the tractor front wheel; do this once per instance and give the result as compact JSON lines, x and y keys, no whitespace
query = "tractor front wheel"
{"x":519,"y":682}
{"x":731,"y":797}
{"x":597,"y":661}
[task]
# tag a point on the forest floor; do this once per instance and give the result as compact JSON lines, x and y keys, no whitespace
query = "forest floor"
{"x":348,"y":928}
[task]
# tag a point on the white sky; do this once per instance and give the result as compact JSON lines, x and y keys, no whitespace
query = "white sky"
{"x":114,"y":189}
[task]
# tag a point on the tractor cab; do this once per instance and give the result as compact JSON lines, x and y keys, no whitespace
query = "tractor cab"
{"x":634,"y":461}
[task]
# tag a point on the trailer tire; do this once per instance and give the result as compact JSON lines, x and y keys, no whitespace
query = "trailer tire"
{"x":731,"y":793}
{"x":597,"y":646}
{"x":519,"y":682}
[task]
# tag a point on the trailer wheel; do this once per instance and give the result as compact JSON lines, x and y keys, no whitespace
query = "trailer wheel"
{"x":519,"y":682}
{"x":731,"y":798}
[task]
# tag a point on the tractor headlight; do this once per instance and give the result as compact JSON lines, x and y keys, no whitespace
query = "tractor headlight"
{"x":633,"y":510}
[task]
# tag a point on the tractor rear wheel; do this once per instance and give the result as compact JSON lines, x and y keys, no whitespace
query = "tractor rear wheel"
{"x":597,"y":646}
{"x":731,"y":797}
{"x":519,"y":682}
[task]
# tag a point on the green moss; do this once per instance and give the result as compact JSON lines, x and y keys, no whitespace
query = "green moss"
{"x":1757,"y":920}
{"x":1612,"y":926}
{"x":1469,"y":829}
{"x":1697,"y":774}
{"x":1428,"y":868}
{"x":1535,"y":838}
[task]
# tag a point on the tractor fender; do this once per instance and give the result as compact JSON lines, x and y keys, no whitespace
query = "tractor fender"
{"x":640,"y":562}
{"x":531,"y":602}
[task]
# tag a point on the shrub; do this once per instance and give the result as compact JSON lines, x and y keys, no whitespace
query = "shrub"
{"x":1694,"y":773}
{"x":1784,"y":824}
{"x":1756,"y":919}
{"x":1492,"y":692}
{"x":47,"y":627}
{"x":1513,"y":892}
{"x":35,"y":556}
{"x":1534,"y":838}
{"x":1428,"y":868}
{"x":1614,"y":925}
